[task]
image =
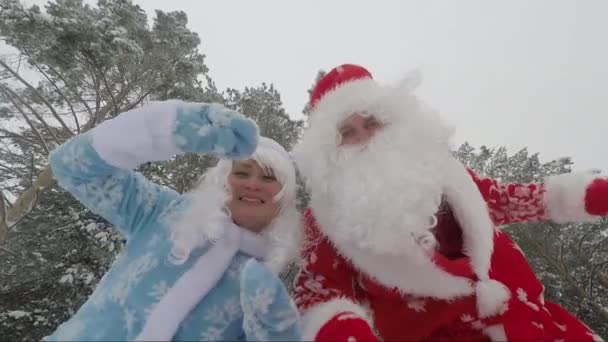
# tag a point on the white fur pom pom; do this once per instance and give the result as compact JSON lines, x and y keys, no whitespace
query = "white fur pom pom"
{"x":491,"y":297}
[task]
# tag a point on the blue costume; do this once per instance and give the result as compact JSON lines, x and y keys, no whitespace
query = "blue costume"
{"x":246,"y":302}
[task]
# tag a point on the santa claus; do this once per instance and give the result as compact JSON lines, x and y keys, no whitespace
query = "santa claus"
{"x":401,"y":238}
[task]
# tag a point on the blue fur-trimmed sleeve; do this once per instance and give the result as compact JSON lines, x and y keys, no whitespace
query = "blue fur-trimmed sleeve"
{"x":125,"y":198}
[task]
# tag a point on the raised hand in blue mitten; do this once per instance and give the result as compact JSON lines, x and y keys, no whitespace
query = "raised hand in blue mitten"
{"x":213,"y":128}
{"x":269,"y":314}
{"x":161,"y":130}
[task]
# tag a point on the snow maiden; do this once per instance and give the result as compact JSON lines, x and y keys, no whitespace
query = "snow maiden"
{"x":197,"y":266}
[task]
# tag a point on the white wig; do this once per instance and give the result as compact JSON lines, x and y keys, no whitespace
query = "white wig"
{"x":202,"y":219}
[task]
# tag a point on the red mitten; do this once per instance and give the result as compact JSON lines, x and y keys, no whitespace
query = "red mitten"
{"x":596,"y":197}
{"x":346,"y":326}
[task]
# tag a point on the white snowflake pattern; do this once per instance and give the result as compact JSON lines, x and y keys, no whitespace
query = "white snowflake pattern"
{"x":234,"y":269}
{"x":130,"y":318}
{"x":418,"y":305}
{"x":522,"y":191}
{"x":154,"y":240}
{"x":215,"y":315}
{"x":131,"y":277}
{"x":148,"y":311}
{"x":226,"y":313}
{"x":159,"y":290}
{"x":147,"y":195}
{"x":221,"y":117}
{"x":212,"y":334}
{"x":204,"y":131}
{"x":75,"y":157}
{"x":315,"y":284}
{"x":106,"y":193}
{"x":286,"y":318}
{"x":537,"y":325}
{"x":253,"y":327}
{"x":523,"y":296}
{"x":478,"y":325}
{"x":335,"y":264}
{"x":172,"y":212}
{"x":232,"y":308}
{"x":220,"y":317}
{"x":561,"y":327}
{"x":263,"y":298}
{"x":466,"y":318}
{"x":313,"y":258}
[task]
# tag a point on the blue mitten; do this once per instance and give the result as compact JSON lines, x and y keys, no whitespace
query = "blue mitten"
{"x":213,"y":128}
{"x":269,"y":314}
{"x":161,"y":130}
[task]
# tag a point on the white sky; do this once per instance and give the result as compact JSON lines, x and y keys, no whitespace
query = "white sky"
{"x":513,"y":73}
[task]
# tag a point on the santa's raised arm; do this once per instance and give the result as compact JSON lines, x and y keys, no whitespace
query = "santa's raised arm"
{"x":402,"y":238}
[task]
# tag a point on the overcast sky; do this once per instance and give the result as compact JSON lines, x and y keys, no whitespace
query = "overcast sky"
{"x":513,"y":73}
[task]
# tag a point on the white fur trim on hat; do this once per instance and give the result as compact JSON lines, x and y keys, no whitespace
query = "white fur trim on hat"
{"x":492,"y":296}
{"x":470,"y":210}
{"x":565,"y":197}
{"x":347,"y":98}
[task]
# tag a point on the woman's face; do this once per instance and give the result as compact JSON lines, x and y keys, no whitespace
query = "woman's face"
{"x":253,"y":191}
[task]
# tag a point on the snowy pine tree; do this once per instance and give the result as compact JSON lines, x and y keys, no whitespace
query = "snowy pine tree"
{"x":75,"y":66}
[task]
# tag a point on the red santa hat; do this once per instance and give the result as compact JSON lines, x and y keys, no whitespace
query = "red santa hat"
{"x":349,"y":89}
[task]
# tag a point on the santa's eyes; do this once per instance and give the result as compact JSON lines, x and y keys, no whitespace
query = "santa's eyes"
{"x":345,"y":133}
{"x":372,"y":123}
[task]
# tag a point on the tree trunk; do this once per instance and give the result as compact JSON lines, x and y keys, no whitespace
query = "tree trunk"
{"x":26,"y":201}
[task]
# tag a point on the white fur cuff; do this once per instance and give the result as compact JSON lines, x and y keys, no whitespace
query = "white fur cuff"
{"x":140,"y":135}
{"x":565,"y":197}
{"x":315,"y":317}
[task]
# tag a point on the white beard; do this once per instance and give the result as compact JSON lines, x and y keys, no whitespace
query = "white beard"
{"x":382,"y":197}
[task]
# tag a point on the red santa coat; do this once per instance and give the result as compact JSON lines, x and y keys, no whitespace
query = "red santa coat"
{"x":329,"y":285}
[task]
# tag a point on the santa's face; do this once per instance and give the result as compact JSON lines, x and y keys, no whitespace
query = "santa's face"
{"x":381,"y":195}
{"x":358,"y":129}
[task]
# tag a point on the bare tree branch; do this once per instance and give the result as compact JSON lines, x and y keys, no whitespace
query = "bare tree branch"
{"x":29,"y":122}
{"x":74,"y":91}
{"x":10,"y":169}
{"x":597,"y":246}
{"x":9,"y":92}
{"x":32,"y":88}
{"x":60,"y":94}
{"x":14,"y":135}
{"x":3,"y":218}
{"x":105,"y":82}
{"x":28,"y":199}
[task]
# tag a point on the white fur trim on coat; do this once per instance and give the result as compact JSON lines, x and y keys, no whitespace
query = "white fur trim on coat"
{"x":315,"y":317}
{"x":496,"y":333}
{"x":140,"y":135}
{"x":565,"y":197}
{"x":470,"y":210}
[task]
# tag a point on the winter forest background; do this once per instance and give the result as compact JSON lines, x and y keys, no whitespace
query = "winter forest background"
{"x":95,"y":62}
